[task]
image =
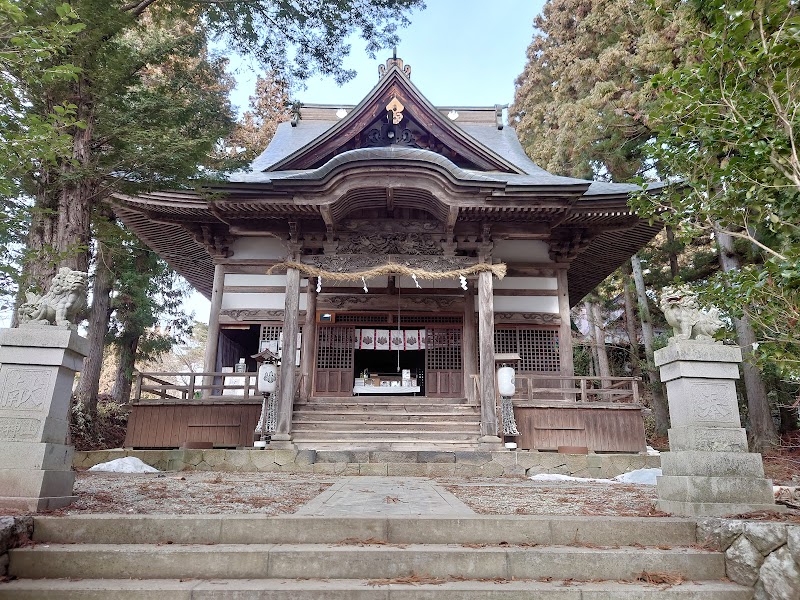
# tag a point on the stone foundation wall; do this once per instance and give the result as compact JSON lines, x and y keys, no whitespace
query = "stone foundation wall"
{"x":409,"y":464}
{"x":14,"y":532}
{"x":765,"y":556}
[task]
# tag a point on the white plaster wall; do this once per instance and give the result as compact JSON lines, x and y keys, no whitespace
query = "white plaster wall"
{"x":525,"y":251}
{"x":234,"y":300}
{"x":526,"y":283}
{"x":430,"y":284}
{"x":542,"y":304}
{"x":259,"y":247}
{"x":238,"y":279}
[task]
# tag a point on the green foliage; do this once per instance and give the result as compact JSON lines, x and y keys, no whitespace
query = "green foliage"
{"x":727,"y":130}
{"x":582,"y":99}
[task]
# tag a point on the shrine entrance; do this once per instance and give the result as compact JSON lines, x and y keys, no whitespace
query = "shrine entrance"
{"x":373,"y":354}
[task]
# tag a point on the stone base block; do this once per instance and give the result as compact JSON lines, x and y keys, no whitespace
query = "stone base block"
{"x":34,"y":504}
{"x":713,"y":509}
{"x":35,"y":455}
{"x":712,"y":464}
{"x":708,"y":439}
{"x":726,"y":490}
{"x":281,"y":441}
{"x":23,"y":483}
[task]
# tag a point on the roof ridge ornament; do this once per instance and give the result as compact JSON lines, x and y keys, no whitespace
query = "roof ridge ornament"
{"x":405,"y":69}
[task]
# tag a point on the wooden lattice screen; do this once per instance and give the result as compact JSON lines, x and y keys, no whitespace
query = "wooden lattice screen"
{"x":538,"y":348}
{"x":443,"y":364}
{"x":334,"y":372}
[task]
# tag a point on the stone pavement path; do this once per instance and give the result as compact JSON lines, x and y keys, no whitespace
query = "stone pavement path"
{"x":385,"y":496}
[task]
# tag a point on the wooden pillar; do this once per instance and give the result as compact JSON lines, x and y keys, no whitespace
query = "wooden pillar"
{"x":309,"y":340}
{"x":212,"y":342}
{"x":489,"y":429}
{"x":469,"y":346}
{"x":282,"y":436}
{"x":565,"y":357}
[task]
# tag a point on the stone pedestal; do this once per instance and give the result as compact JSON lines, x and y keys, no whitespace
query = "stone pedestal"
{"x":37,"y":371}
{"x":708,"y":471}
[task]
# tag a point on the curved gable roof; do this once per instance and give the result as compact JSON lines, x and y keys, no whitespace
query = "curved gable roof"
{"x":394,"y":84}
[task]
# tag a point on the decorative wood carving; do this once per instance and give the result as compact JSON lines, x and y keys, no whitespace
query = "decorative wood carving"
{"x":528,"y":317}
{"x":252,"y":314}
{"x":389,"y":226}
{"x":566,"y":245}
{"x":383,"y":302}
{"x":348,"y":263}
{"x":390,"y":243}
{"x":406,"y":69}
{"x":216,"y":243}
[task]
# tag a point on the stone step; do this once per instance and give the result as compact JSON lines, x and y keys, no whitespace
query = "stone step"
{"x":388,"y":446}
{"x":356,"y":561}
{"x":384,"y":435}
{"x":364,"y":426}
{"x":259,"y":529}
{"x":385,"y":399}
{"x":370,"y":407}
{"x":300,"y":416}
{"x":361,"y":589}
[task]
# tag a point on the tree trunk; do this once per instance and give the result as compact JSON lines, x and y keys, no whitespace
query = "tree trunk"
{"x":599,"y":338}
{"x":631,"y":322}
{"x":100,"y":313}
{"x":762,"y":431}
{"x":127,"y":359}
{"x":673,"y":256}
{"x":60,"y":225}
{"x":660,"y":409}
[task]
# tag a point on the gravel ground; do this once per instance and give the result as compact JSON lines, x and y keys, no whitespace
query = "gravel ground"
{"x":283,"y":493}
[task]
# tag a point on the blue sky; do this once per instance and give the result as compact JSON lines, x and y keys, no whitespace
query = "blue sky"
{"x":461,"y":52}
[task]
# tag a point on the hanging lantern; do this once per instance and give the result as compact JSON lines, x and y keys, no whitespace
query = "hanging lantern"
{"x":267,"y":378}
{"x":505,"y":381}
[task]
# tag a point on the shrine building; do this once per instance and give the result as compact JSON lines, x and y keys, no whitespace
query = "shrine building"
{"x":390,"y":252}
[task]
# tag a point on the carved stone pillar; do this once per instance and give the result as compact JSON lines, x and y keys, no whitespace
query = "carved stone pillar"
{"x":486,"y":348}
{"x":282,"y":437}
{"x":212,"y":342}
{"x":469,"y":345}
{"x":37,"y":370}
{"x":309,"y":339}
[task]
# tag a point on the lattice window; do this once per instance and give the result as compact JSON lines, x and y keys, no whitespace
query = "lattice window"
{"x":538,"y":348}
{"x":270,"y":332}
{"x":443,"y":349}
{"x":409,"y":319}
{"x":379,"y":319}
{"x":335,"y":347}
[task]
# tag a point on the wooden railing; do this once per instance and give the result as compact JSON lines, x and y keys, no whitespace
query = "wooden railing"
{"x":570,"y":389}
{"x":181,"y":388}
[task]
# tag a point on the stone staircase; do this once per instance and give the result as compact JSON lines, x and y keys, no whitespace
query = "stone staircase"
{"x":386,"y":423}
{"x":113,"y":557}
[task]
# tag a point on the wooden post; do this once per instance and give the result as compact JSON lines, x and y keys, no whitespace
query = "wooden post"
{"x":469,"y":345}
{"x":489,"y":429}
{"x":565,"y":330}
{"x":212,"y":342}
{"x":281,"y":438}
{"x":309,"y":341}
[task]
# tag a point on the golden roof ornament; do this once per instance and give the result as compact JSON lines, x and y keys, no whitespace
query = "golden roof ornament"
{"x":383,"y":69}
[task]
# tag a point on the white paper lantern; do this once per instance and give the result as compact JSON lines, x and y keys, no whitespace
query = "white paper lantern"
{"x":267,"y":378}
{"x":505,"y":381}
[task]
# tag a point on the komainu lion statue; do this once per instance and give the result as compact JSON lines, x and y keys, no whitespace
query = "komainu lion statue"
{"x":60,"y":305}
{"x":688,"y":320}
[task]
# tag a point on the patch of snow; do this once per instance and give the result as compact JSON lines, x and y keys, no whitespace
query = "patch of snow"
{"x":557,"y":477}
{"x":642,"y":476}
{"x":129,"y":464}
{"x":652,"y":451}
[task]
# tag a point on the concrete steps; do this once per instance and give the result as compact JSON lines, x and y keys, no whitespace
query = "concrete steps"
{"x":386,"y":422}
{"x":316,"y":558}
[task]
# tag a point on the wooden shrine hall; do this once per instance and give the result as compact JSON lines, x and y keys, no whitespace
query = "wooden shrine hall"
{"x":390,"y":252}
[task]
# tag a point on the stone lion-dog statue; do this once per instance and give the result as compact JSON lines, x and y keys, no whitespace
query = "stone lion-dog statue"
{"x":687,"y":319}
{"x":60,"y":305}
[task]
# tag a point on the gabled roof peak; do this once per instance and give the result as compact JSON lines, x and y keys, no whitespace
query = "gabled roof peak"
{"x":394,"y":62}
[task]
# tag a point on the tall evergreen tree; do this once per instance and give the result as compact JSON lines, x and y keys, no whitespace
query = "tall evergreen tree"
{"x":581,"y":101}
